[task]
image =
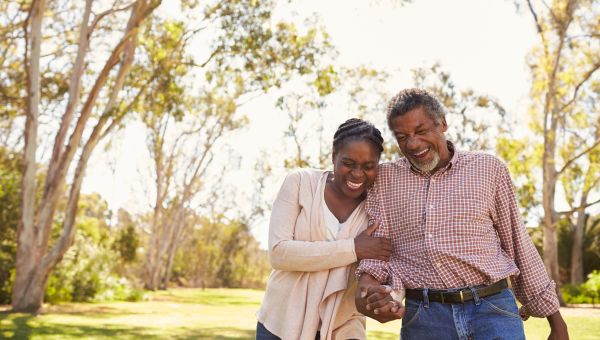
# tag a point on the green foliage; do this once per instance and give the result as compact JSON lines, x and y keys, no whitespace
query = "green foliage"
{"x":10,"y":179}
{"x":591,"y":246}
{"x":473,"y":118}
{"x":522,"y":158}
{"x":587,"y":292}
{"x":88,"y":269}
{"x":126,"y":243}
{"x":226,"y":254}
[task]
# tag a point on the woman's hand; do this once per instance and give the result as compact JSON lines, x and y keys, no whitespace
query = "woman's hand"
{"x":368,"y":247}
{"x":375,"y":300}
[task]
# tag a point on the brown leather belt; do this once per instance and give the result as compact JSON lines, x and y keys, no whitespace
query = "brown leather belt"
{"x":457,"y":296}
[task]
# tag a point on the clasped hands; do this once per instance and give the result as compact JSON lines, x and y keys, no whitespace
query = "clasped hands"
{"x":375,"y":300}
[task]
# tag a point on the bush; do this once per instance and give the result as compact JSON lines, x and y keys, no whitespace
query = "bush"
{"x":587,"y":292}
{"x":86,"y":274}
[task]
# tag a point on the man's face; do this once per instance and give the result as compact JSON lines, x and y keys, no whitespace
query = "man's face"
{"x":421,"y":141}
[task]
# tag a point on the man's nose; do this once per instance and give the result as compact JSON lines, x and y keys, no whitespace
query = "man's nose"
{"x":413,"y":143}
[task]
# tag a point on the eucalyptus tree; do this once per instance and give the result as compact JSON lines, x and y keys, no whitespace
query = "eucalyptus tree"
{"x":96,"y":62}
{"x":564,"y":111}
{"x":192,"y":95}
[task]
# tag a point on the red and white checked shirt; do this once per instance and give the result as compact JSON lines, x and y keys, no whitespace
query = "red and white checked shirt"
{"x":459,"y":227}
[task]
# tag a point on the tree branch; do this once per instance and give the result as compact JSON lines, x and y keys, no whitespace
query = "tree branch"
{"x":101,"y":16}
{"x":569,"y":212}
{"x":582,"y":153}
{"x":587,"y":76}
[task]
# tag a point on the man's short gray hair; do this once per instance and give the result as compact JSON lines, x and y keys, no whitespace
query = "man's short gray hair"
{"x":410,"y":99}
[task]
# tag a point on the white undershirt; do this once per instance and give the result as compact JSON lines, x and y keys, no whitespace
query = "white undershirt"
{"x":332,"y":223}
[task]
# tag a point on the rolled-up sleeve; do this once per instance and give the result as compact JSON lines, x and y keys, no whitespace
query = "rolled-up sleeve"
{"x":532,"y":285}
{"x":376,"y":268}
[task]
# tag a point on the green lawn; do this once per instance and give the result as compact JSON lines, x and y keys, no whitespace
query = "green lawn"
{"x":204,"y":314}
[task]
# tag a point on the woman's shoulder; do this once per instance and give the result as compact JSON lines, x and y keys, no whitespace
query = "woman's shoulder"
{"x":306,"y":174}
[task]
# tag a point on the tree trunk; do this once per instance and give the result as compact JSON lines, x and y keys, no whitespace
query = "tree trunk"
{"x":171,"y":253}
{"x":34,"y":263}
{"x":29,"y":250}
{"x":550,"y":177}
{"x":577,"y":250}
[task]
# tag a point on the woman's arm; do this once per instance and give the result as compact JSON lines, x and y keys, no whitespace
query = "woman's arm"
{"x":288,"y":254}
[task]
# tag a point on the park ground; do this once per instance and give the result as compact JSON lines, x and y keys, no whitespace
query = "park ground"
{"x":205,"y":314}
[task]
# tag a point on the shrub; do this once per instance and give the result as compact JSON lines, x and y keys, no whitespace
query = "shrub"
{"x":587,"y":292}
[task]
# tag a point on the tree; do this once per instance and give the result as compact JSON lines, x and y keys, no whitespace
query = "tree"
{"x":186,"y":118}
{"x":473,"y":118}
{"x":564,"y":91}
{"x":10,"y":178}
{"x":580,"y":180}
{"x":35,"y":258}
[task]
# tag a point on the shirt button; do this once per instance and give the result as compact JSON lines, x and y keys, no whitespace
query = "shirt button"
{"x":429,"y":235}
{"x":439,"y":264}
{"x":431,"y":206}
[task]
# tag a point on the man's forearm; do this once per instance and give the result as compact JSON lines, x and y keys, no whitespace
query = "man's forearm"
{"x":558,"y":327}
{"x":364,"y":281}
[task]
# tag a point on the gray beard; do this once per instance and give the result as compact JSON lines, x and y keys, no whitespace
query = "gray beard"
{"x":427,"y":167}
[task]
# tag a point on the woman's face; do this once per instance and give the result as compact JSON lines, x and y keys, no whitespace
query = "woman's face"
{"x":355,"y":167}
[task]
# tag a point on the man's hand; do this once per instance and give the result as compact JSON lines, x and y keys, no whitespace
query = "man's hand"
{"x":369,"y":247}
{"x":558,"y":327}
{"x":375,"y":301}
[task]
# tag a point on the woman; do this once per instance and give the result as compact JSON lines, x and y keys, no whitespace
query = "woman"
{"x":317,"y":232}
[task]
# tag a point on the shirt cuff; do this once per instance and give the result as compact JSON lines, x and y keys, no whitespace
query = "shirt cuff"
{"x":398,"y":294}
{"x":375,"y":268}
{"x":543,"y":305}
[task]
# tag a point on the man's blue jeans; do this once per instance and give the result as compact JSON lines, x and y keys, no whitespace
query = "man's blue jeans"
{"x":491,"y":317}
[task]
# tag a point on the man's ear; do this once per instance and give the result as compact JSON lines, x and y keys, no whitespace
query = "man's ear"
{"x":443,"y":124}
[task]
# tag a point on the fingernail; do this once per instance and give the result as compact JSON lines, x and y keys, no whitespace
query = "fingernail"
{"x":376,"y":311}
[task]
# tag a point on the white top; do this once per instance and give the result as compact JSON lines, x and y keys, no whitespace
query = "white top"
{"x":331,"y":222}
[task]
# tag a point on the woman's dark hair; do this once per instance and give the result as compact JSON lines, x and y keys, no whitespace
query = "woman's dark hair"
{"x":357,"y":129}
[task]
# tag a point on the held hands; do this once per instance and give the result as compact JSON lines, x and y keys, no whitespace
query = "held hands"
{"x":375,"y":300}
{"x":369,"y":247}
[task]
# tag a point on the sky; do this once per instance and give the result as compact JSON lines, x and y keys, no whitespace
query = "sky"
{"x":483,"y":44}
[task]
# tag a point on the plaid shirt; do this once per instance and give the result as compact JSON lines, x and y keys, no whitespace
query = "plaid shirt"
{"x":459,"y":227}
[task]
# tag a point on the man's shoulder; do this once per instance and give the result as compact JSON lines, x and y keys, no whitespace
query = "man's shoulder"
{"x":479,"y":158}
{"x":392,"y":168}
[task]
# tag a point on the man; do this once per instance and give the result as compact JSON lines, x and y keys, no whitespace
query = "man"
{"x":457,"y":235}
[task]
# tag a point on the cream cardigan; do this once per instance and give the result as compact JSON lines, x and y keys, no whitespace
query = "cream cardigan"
{"x":313,"y":280}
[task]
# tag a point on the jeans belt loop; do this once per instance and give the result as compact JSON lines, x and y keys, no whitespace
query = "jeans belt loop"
{"x":426,"y":297}
{"x":475,"y":296}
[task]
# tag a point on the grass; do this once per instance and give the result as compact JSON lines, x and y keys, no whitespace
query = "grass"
{"x":205,"y":314}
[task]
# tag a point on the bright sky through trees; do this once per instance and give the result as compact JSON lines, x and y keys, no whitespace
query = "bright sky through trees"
{"x":482,"y":44}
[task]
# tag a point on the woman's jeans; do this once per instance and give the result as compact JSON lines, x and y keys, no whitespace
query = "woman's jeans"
{"x":263,"y":334}
{"x":491,"y":317}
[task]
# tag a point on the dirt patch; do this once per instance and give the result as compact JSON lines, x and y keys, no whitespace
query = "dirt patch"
{"x":581,"y":310}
